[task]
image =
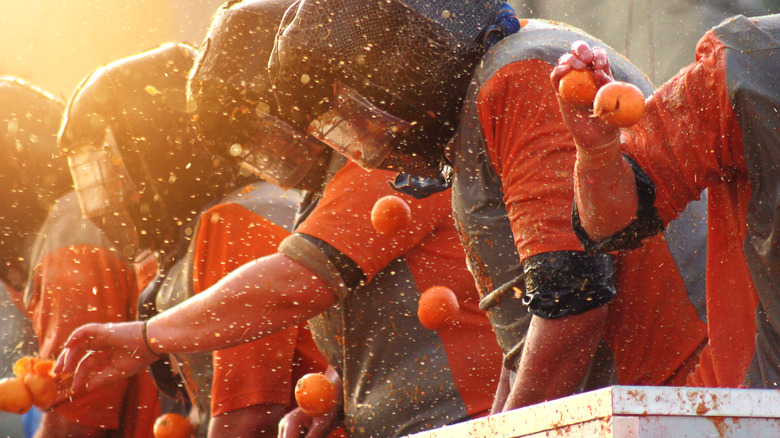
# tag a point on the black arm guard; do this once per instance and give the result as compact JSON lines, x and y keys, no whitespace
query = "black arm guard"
{"x":562,"y":283}
{"x":647,"y":223}
{"x":350,"y":272}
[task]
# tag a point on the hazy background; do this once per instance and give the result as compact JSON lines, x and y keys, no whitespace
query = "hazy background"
{"x":56,"y":43}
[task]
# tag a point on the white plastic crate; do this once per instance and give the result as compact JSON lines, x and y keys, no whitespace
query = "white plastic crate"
{"x":634,"y":411}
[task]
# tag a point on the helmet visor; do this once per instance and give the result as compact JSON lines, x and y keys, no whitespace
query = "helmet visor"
{"x":281,"y":155}
{"x":358,"y":129}
{"x":101,"y":180}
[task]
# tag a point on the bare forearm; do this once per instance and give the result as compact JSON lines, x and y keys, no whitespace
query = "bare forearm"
{"x":605,"y":190}
{"x":502,"y":391}
{"x":259,"y":298}
{"x":556,"y":357}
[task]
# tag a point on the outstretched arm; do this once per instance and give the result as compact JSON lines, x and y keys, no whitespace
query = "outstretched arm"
{"x":605,"y":190}
{"x":258,"y":299}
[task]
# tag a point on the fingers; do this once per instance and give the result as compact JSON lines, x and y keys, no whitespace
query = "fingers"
{"x":558,"y":73}
{"x":77,"y":345}
{"x":601,"y":71}
{"x":67,"y":361}
{"x":582,"y":51}
{"x":573,"y":61}
{"x":600,"y":60}
{"x":582,"y":57}
{"x":93,"y":370}
{"x":294,"y":424}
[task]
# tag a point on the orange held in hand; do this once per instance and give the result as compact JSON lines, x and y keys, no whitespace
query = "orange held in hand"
{"x":315,"y":394}
{"x":24,"y":366}
{"x":619,"y":104}
{"x":172,"y":425}
{"x":577,"y":88}
{"x":42,"y":384}
{"x":34,"y":381}
{"x":15,"y":397}
{"x":437,"y":306}
{"x":390,"y":215}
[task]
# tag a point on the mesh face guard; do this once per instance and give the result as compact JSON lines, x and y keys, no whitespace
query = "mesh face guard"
{"x":230,"y":76}
{"x":103,"y":185}
{"x":140,"y":102}
{"x":229,"y":96}
{"x":105,"y":191}
{"x":411,"y":59}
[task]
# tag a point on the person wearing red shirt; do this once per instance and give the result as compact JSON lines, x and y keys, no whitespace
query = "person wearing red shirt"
{"x":364,"y":287}
{"x":458,"y":93}
{"x":74,"y":276}
{"x":143,"y":167}
{"x":252,"y":385}
{"x":78,"y":278}
{"x":712,"y":126}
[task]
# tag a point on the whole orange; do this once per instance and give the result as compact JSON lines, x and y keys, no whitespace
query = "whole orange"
{"x":619,"y":104}
{"x":172,"y":425}
{"x":390,"y":215}
{"x":15,"y":397}
{"x":437,"y":306}
{"x":577,"y":88}
{"x":315,"y":394}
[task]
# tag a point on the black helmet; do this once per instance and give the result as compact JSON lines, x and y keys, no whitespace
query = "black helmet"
{"x":410,"y":61}
{"x":32,"y":174}
{"x":133,"y":153}
{"x":230,"y":99}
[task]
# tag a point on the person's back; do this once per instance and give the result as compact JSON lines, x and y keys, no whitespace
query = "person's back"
{"x":513,"y":164}
{"x":398,"y":376}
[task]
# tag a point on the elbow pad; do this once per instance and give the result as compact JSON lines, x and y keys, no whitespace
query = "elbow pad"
{"x":562,"y":283}
{"x":646,"y":224}
{"x":337,"y":270}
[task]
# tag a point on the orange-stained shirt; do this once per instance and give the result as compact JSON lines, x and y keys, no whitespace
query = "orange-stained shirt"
{"x":77,"y":279}
{"x":514,"y":161}
{"x":689,"y":139}
{"x":398,"y":376}
{"x":247,"y":225}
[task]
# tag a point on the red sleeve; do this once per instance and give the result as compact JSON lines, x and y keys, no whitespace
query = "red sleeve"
{"x":228,"y":236}
{"x":343,"y":218}
{"x":533,"y":153}
{"x":689,"y":137}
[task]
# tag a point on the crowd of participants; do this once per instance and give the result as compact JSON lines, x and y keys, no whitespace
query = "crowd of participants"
{"x":191,"y":232}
